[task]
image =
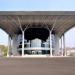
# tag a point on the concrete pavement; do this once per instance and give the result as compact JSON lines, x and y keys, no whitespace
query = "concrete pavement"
{"x":37,"y":66}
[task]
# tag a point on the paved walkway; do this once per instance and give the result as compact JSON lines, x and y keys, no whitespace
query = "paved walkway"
{"x":37,"y":66}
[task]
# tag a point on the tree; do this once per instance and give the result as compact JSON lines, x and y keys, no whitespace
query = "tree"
{"x":3,"y":50}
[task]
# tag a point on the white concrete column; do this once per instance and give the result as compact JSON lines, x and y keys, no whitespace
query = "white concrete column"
{"x":22,"y":43}
{"x":50,"y":44}
{"x":64,"y":45}
{"x":14,"y":45}
{"x":61,"y":46}
{"x":57,"y":47}
{"x":9,"y":45}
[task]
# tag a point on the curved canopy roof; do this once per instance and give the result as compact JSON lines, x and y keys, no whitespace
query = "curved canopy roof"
{"x":58,"y":21}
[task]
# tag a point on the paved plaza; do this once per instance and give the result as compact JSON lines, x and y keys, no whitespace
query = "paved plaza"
{"x":37,"y":66}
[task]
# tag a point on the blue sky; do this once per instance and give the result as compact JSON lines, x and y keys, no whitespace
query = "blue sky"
{"x":3,"y":37}
{"x":39,"y":5}
{"x":28,"y":5}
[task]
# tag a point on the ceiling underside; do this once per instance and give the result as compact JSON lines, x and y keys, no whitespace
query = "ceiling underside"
{"x":13,"y":21}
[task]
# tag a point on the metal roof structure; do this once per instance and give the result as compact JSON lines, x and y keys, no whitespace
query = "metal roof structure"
{"x":60,"y":21}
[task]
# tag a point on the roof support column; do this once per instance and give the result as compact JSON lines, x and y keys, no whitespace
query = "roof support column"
{"x":23,"y":30}
{"x":57,"y":48}
{"x":9,"y":46}
{"x":64,"y":45}
{"x":51,"y":54}
{"x":50,"y":44}
{"x":14,"y":45}
{"x":61,"y":46}
{"x":22,"y":43}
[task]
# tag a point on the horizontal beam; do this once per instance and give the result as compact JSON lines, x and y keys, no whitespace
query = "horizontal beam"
{"x":37,"y":12}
